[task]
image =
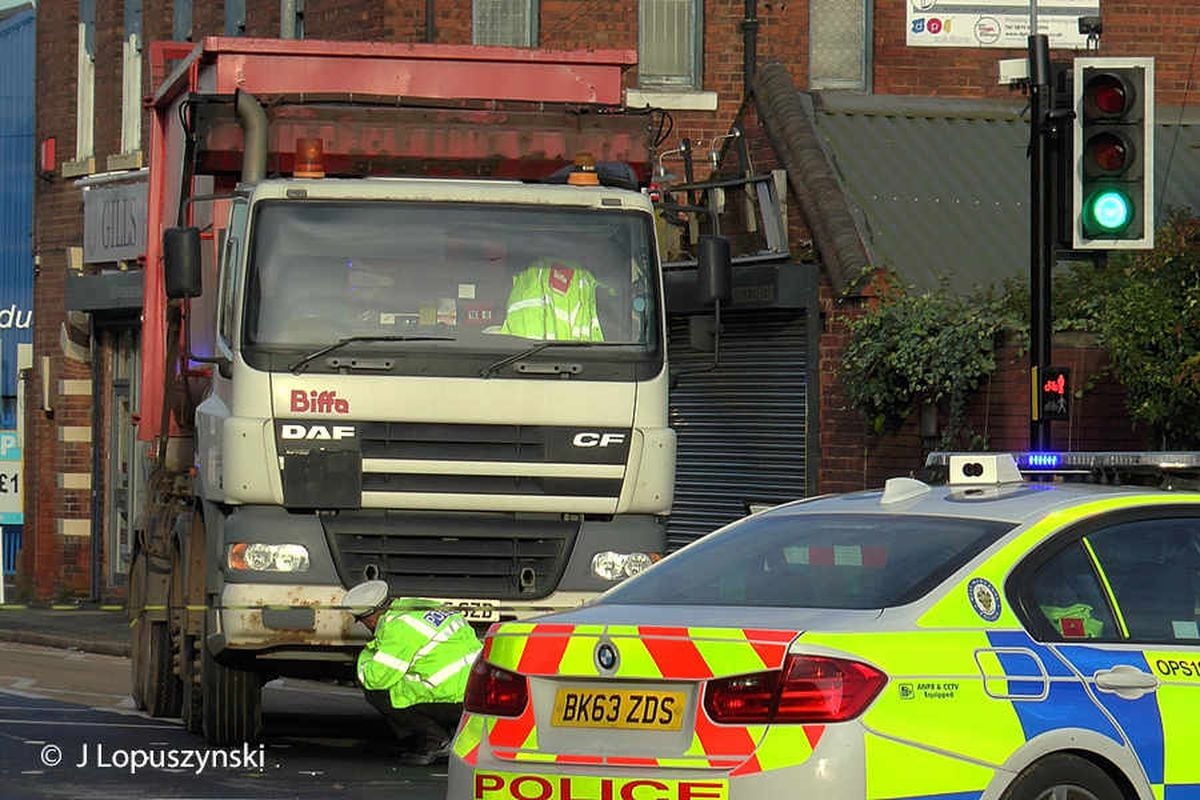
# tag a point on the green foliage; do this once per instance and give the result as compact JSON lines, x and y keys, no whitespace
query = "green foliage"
{"x":933,"y":347}
{"x":1145,"y":307}
{"x":917,"y":347}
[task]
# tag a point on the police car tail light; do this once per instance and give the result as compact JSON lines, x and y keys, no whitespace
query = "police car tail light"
{"x":809,"y":689}
{"x":817,"y":689}
{"x":495,"y":692}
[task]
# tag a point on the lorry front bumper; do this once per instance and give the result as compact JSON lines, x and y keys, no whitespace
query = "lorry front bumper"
{"x":270,"y":617}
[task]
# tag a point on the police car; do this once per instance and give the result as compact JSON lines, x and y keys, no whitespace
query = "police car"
{"x":995,"y":637}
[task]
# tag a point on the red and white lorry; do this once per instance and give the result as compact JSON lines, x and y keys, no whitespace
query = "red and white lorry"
{"x":328,"y":382}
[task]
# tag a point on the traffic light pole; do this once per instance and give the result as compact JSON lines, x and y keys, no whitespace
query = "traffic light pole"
{"x":1042,"y":158}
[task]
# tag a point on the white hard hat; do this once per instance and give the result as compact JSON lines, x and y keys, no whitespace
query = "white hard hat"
{"x":365,"y":597}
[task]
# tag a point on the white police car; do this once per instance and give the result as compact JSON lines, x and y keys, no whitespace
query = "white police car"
{"x":992,"y":638}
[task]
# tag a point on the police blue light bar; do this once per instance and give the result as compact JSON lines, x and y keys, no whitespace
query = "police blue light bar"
{"x":1077,"y":461}
{"x":1039,"y":461}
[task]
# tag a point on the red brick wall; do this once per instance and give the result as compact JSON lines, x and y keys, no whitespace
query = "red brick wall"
{"x":1098,"y":420}
{"x":208,"y":18}
{"x":55,"y":565}
{"x":453,"y":21}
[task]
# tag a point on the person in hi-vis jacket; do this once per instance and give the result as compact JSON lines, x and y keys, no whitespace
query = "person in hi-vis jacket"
{"x":414,"y":670}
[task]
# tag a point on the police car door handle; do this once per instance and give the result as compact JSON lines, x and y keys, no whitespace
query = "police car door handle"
{"x":1125,"y":681}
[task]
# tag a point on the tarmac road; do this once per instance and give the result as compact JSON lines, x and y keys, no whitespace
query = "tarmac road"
{"x":68,"y":728}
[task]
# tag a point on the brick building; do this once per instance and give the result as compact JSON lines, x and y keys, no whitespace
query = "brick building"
{"x":86,"y":468}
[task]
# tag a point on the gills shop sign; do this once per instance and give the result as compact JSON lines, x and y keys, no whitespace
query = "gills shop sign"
{"x":114,"y":222}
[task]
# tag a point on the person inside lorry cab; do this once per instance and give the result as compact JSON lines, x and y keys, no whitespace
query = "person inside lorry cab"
{"x":554,"y":298}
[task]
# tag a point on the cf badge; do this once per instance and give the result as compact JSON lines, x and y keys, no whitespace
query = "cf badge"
{"x":606,"y":657}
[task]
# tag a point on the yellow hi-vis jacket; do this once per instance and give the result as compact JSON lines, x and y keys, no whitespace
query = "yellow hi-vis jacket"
{"x":555,"y":300}
{"x":420,"y":654}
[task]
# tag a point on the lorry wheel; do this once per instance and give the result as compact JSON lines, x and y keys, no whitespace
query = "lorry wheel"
{"x":232,"y":703}
{"x":193,"y":692}
{"x":138,"y":643}
{"x":155,"y":686}
{"x":163,"y":691}
{"x":1062,"y":776}
{"x":183,"y":648}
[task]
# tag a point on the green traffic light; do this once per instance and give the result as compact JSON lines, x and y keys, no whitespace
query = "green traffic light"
{"x":1110,"y":210}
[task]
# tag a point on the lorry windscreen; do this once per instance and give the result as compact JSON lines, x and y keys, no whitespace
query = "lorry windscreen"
{"x":469,"y":276}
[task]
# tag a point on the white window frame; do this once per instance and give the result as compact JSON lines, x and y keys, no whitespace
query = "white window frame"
{"x":131,"y":80}
{"x":693,"y":80}
{"x":835,"y":9}
{"x":85,"y":89}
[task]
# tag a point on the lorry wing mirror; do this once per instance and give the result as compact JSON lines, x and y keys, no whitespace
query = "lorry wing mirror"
{"x":714,"y":284}
{"x":181,"y":262}
{"x":714,"y":270}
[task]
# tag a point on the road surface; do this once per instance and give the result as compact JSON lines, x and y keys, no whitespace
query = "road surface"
{"x":68,"y":728}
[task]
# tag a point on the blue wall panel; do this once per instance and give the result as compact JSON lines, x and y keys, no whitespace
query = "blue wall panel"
{"x":17,"y":159}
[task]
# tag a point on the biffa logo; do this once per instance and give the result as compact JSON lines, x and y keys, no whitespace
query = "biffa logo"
{"x":326,"y":402}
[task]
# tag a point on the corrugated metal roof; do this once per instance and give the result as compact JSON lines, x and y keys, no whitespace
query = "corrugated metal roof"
{"x":941,"y":187}
{"x":16,"y":191}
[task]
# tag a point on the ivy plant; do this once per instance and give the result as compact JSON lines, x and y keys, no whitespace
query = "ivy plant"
{"x":914,"y":347}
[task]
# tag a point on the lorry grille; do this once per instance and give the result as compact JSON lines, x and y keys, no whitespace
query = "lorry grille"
{"x":489,"y":444}
{"x":454,"y":442}
{"x":500,"y":556}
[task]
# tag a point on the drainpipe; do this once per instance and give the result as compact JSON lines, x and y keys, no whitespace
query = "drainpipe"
{"x":749,"y":45}
{"x":97,"y":462}
{"x":253,"y":120}
{"x":430,"y":21}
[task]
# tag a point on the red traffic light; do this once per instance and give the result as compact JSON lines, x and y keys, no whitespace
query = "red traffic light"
{"x":1106,"y":95}
{"x":1108,"y":152}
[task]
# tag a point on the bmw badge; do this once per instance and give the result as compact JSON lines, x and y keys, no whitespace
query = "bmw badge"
{"x":606,"y":657}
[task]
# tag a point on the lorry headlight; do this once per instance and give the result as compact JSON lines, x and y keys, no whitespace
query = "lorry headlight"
{"x":268,"y":557}
{"x":612,"y":566}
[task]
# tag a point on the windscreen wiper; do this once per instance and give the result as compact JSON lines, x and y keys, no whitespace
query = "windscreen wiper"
{"x":493,"y":368}
{"x":296,"y":368}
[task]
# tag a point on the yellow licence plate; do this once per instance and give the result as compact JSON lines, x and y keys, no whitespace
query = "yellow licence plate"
{"x":629,"y":709}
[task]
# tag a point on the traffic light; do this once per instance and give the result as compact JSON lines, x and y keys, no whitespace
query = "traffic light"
{"x":1113,"y":174}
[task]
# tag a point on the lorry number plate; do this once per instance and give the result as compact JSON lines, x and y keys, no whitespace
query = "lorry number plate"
{"x":628,"y":709}
{"x":475,"y":610}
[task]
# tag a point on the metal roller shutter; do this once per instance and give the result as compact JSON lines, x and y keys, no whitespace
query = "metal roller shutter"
{"x":741,"y":428}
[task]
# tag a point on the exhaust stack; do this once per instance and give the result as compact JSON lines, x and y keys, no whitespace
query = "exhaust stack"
{"x":253,"y":120}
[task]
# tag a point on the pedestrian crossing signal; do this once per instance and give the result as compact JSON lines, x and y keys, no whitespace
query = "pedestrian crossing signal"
{"x":1056,"y":393}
